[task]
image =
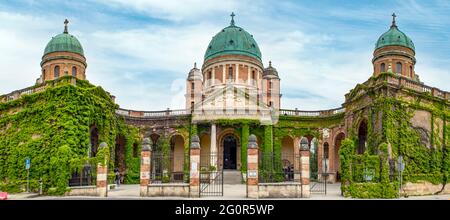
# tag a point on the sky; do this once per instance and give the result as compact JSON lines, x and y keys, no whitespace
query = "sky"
{"x":141,"y":51}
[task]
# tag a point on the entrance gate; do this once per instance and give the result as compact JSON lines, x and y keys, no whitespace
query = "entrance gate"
{"x":211,"y":176}
{"x":319,"y":183}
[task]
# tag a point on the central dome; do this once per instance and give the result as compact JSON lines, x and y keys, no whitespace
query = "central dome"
{"x":64,"y":43}
{"x":233,"y":40}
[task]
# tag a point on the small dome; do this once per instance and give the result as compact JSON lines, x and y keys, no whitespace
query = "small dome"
{"x":233,"y":40}
{"x":270,"y":71}
{"x":64,"y":42}
{"x":195,"y":74}
{"x":394,"y":37}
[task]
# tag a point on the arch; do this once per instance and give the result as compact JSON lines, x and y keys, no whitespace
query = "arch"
{"x":398,"y":67}
{"x":337,"y":145}
{"x":119,"y":156}
{"x":383,"y":67}
{"x":287,"y":151}
{"x":93,"y":140}
{"x":154,"y":138}
{"x":74,"y":71}
{"x":56,"y":71}
{"x":230,"y":158}
{"x":362,"y":137}
{"x":177,"y":157}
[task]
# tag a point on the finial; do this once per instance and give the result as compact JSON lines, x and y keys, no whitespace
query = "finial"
{"x":65,"y":26}
{"x":393,"y":20}
{"x":232,"y":18}
{"x":195,"y":65}
{"x":270,"y":63}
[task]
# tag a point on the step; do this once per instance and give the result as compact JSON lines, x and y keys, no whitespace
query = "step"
{"x":232,"y":177}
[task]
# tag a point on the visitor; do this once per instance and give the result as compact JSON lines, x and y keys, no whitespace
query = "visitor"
{"x":117,"y":179}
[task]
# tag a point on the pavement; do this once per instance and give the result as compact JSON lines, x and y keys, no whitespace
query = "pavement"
{"x":230,"y":191}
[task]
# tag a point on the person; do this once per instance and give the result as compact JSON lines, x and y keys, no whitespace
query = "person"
{"x":117,"y":173}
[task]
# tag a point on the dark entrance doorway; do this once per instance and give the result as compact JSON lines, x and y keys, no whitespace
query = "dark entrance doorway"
{"x":229,"y":153}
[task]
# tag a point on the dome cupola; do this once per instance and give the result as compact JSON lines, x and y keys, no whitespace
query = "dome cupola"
{"x":394,"y":37}
{"x":233,"y":40}
{"x":64,"y":42}
{"x":270,"y":72}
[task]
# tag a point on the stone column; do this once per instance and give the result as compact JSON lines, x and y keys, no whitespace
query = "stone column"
{"x":252,"y":168}
{"x":213,"y":149}
{"x":102,"y":172}
{"x":146,"y":154}
{"x":194,"y":181}
{"x":304,"y":166}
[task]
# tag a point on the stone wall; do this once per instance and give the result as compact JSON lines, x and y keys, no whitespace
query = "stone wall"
{"x":82,"y":191}
{"x":422,"y":188}
{"x":280,"y":190}
{"x":168,"y":189}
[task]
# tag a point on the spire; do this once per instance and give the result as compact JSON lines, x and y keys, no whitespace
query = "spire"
{"x":195,"y":65}
{"x":393,"y":20}
{"x":232,"y":19}
{"x":65,"y":26}
{"x":270,"y":63}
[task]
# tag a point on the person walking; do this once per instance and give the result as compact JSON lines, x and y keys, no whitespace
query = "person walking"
{"x":117,"y":174}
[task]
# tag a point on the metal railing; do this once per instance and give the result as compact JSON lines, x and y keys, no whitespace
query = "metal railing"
{"x":168,"y":168}
{"x":281,"y":168}
{"x":320,"y":113}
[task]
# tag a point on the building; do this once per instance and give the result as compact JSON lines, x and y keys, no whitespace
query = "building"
{"x":234,"y":94}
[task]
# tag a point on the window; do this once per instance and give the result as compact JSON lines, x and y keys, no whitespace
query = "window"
{"x":270,"y":104}
{"x":253,"y":75}
{"x":209,"y":75}
{"x":230,"y":73}
{"x":135,"y":150}
{"x":192,"y":105}
{"x":74,"y":71}
{"x":325,"y":150}
{"x":56,"y":72}
{"x":411,"y":72}
{"x":383,"y":68}
{"x":398,"y":67}
{"x":192,"y":86}
{"x":270,"y":85}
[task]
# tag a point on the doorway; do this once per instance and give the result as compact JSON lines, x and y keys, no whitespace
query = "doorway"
{"x":230,"y":153}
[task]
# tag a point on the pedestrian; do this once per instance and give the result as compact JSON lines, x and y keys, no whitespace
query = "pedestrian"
{"x":117,"y":173}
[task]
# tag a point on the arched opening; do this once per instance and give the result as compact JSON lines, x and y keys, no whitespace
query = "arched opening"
{"x":383,"y":67}
{"x":362,"y":137}
{"x":325,"y":158}
{"x":411,"y":72}
{"x":119,"y":156}
{"x":313,"y":159}
{"x":398,"y":68}
{"x":337,"y":143}
{"x":230,"y":152}
{"x":230,"y":73}
{"x":155,"y":148}
{"x":56,"y":71}
{"x":177,"y":157}
{"x":288,"y":158}
{"x":93,"y":139}
{"x":74,"y":71}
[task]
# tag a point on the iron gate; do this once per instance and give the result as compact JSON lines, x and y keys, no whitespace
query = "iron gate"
{"x":318,"y":182}
{"x":211,"y":176}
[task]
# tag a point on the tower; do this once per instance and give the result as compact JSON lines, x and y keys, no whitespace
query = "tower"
{"x":63,"y":56}
{"x":194,"y":87}
{"x":394,"y":51}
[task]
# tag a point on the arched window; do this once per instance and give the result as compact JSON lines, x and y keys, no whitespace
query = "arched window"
{"x":411,"y":72}
{"x":192,"y":105}
{"x":362,"y":137}
{"x":230,"y":73}
{"x":270,"y":104}
{"x":74,"y":71}
{"x":56,"y":72}
{"x":270,"y":85}
{"x":192,"y":86}
{"x":383,"y":68}
{"x":209,"y":75}
{"x":398,"y":68}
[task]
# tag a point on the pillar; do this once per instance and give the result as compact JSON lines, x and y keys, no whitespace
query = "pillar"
{"x":194,"y":177}
{"x":102,"y":172}
{"x":145,"y":167}
{"x":252,"y":168}
{"x":304,"y":166}
{"x":213,"y":148}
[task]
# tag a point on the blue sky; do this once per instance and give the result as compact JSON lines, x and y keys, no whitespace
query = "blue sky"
{"x":142,"y":50}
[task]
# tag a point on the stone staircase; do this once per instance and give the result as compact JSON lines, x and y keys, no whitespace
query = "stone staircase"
{"x":232,"y":177}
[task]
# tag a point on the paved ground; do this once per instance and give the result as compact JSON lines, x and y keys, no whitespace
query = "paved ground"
{"x":231,"y":192}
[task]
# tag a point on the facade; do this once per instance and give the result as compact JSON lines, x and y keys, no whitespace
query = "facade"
{"x":233,"y":94}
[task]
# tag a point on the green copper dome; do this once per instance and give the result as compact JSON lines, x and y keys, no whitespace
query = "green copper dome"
{"x":64,"y":42}
{"x":394,"y":37}
{"x":233,"y":40}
